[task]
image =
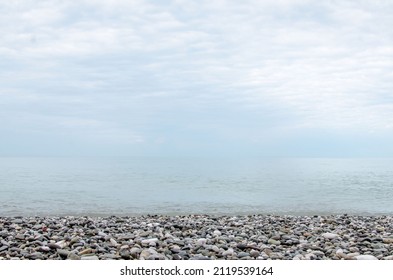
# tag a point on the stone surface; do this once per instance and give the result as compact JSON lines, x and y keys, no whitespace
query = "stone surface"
{"x":197,"y":237}
{"x":365,"y":257}
{"x":329,"y":235}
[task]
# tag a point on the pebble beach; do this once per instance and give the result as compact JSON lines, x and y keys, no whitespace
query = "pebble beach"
{"x":197,"y":237}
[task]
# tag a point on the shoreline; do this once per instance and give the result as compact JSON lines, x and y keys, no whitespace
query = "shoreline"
{"x":182,"y":237}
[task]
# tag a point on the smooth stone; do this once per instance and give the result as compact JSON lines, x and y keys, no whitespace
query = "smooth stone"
{"x":215,"y":248}
{"x":175,"y":249}
{"x":126,"y":237}
{"x":340,"y":253}
{"x":200,"y":258}
{"x":201,"y":241}
{"x":156,"y":257}
{"x":365,"y":257}
{"x":135,"y":251}
{"x":353,"y":254}
{"x":86,"y":251}
{"x":54,"y":246}
{"x":44,"y":249}
{"x":73,"y":256}
{"x":36,"y":256}
{"x":273,"y":241}
{"x":74,"y":240}
{"x":89,"y":258}
{"x":20,"y":236}
{"x":329,"y":235}
{"x":3,"y":248}
{"x":243,"y":254}
{"x":387,"y":240}
{"x":63,"y":253}
{"x":110,"y":256}
{"x":254,"y":253}
{"x":113,"y":242}
{"x":62,"y":244}
{"x":148,"y":241}
{"x":228,"y":252}
{"x":125,"y":253}
{"x":145,"y":254}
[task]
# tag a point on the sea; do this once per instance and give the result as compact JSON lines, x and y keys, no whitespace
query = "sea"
{"x":178,"y":186}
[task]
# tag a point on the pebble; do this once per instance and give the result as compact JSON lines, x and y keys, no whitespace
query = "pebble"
{"x":329,"y":235}
{"x":73,"y":256}
{"x":254,"y":253}
{"x":148,"y":241}
{"x":365,"y":257}
{"x":273,"y":241}
{"x":89,"y":258}
{"x":86,"y":251}
{"x":199,"y":237}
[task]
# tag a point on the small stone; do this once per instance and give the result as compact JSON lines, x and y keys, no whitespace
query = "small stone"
{"x":145,"y":254}
{"x":125,"y":253}
{"x":148,"y":241}
{"x":175,"y":249}
{"x":113,"y":242}
{"x":89,"y":258}
{"x":109,"y":257}
{"x":62,"y":244}
{"x":54,"y":246}
{"x":200,"y":258}
{"x":63,"y":253}
{"x":273,"y":241}
{"x":44,"y":249}
{"x":201,"y":241}
{"x":352,"y":255}
{"x":20,"y":236}
{"x":215,"y":248}
{"x":135,"y":251}
{"x":365,"y":257}
{"x":86,"y":251}
{"x":228,"y":252}
{"x":36,"y":256}
{"x":387,"y":240}
{"x":73,"y":256}
{"x":254,"y":253}
{"x":340,"y":253}
{"x":329,"y":235}
{"x":74,"y":240}
{"x":3,"y":248}
{"x":243,"y":254}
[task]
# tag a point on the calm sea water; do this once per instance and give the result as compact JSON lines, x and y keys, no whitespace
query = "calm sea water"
{"x":133,"y":186}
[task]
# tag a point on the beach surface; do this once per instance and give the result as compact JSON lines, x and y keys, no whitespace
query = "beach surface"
{"x":197,"y":237}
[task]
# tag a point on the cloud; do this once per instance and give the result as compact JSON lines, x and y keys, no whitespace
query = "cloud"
{"x":245,"y":71}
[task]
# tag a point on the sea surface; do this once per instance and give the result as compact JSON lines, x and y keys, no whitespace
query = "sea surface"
{"x":135,"y":186}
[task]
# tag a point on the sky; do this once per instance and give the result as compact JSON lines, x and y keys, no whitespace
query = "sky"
{"x":274,"y":78}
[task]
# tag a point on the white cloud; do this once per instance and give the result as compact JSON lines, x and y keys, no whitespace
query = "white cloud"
{"x":297,"y":64}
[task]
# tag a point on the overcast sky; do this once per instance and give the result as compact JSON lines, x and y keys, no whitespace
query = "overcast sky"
{"x":207,"y":78}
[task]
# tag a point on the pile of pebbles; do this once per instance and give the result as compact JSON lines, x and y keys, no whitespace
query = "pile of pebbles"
{"x":197,"y":237}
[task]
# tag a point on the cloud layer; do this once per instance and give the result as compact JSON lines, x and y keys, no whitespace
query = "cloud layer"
{"x":196,"y":77}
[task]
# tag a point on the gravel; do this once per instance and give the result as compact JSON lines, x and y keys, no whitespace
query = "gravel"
{"x":197,"y":237}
